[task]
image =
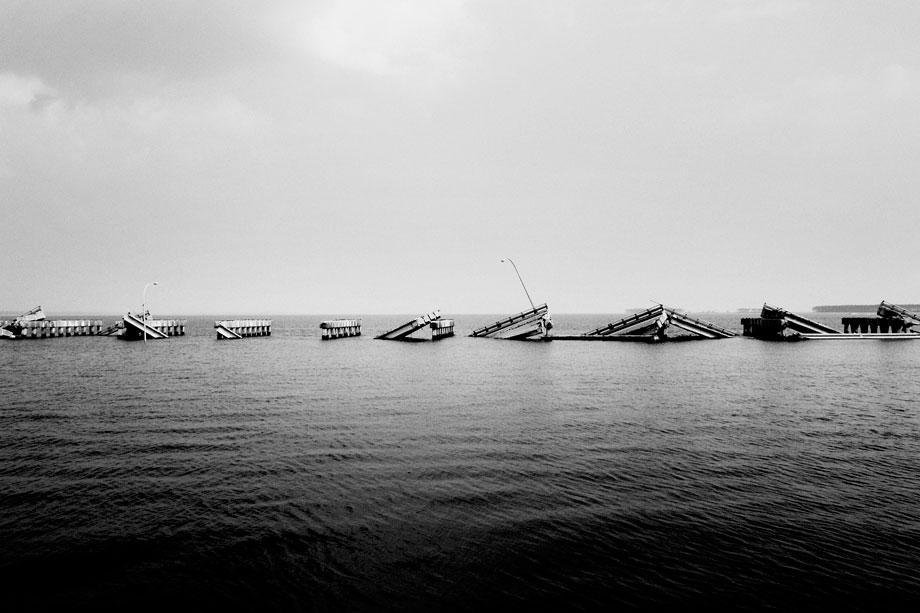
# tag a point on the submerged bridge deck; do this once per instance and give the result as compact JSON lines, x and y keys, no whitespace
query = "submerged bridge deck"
{"x":892,"y":323}
{"x":796,"y":322}
{"x":233,"y":329}
{"x":137,"y":327}
{"x":888,"y":310}
{"x":652,"y":323}
{"x":402,"y":332}
{"x":524,"y":325}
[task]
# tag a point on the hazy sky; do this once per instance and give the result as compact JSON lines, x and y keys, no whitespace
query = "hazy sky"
{"x":371,"y":157}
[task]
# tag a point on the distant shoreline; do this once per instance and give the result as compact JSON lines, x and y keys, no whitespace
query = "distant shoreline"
{"x":858,"y":308}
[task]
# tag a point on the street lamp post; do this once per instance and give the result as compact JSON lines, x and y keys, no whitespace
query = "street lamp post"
{"x":144,"y":307}
{"x":521,"y":280}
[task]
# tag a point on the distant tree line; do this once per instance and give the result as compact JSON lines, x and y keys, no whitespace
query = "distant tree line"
{"x":858,"y":308}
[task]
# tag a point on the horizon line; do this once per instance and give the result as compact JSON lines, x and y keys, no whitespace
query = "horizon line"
{"x":262,"y":313}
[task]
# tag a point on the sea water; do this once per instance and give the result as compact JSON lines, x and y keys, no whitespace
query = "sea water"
{"x":291,"y":473}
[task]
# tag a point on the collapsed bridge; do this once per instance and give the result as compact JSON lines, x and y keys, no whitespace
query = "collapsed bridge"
{"x":775,"y":323}
{"x":652,"y":325}
{"x":440,"y":328}
{"x":535,"y":323}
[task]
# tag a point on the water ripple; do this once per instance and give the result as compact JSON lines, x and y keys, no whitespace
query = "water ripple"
{"x":293,"y":474}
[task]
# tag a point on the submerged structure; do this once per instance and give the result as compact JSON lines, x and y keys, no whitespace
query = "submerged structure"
{"x":233,"y":329}
{"x":533,"y":324}
{"x":440,"y":328}
{"x":775,"y":323}
{"x":115,"y":329}
{"x":890,"y":319}
{"x":652,"y":326}
{"x":340,"y":328}
{"x":32,"y":324}
{"x":143,"y":327}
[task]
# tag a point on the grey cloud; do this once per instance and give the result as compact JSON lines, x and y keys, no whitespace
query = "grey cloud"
{"x":80,"y":45}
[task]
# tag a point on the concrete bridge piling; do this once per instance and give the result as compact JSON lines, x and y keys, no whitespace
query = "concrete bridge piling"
{"x":232,"y":329}
{"x":442,"y":328}
{"x":56,"y":328}
{"x":340,"y":328}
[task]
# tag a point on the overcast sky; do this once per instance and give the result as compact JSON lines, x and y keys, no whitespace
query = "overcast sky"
{"x":381,"y":157}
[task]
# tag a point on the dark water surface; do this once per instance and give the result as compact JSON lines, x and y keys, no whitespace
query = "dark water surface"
{"x":291,"y":473}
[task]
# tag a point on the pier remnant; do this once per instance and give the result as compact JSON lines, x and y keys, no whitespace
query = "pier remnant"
{"x":795,"y":322}
{"x":137,"y":327}
{"x":440,"y":328}
{"x":34,"y":314}
{"x":535,"y":323}
{"x":340,"y":328}
{"x":33,"y":324}
{"x":651,"y":325}
{"x":232,"y":329}
{"x":56,"y":328}
{"x":893,"y":311}
{"x":763,"y":328}
{"x":775,"y":323}
{"x":875,"y":325}
{"x":891,"y":319}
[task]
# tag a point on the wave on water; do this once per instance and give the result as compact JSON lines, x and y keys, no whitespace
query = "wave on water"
{"x":290,"y":473}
